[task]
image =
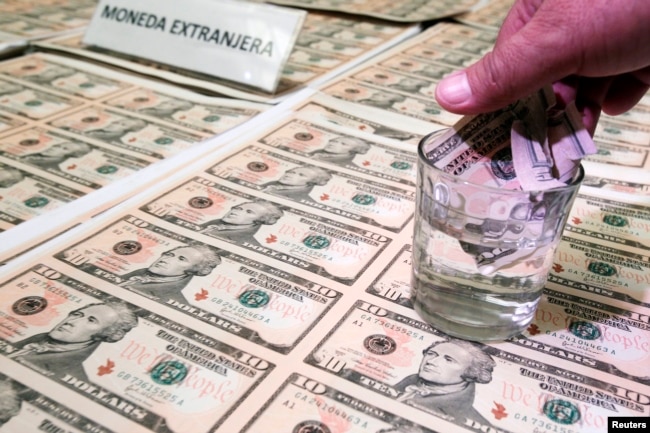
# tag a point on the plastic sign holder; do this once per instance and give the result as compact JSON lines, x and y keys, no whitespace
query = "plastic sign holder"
{"x":241,"y":41}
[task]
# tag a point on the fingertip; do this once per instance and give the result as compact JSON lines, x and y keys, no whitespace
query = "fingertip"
{"x":454,"y":91}
{"x":623,"y":94}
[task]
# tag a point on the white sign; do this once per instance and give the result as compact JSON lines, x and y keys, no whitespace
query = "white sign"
{"x":237,"y":40}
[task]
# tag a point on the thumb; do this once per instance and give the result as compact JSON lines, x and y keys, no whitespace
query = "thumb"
{"x":517,"y":67}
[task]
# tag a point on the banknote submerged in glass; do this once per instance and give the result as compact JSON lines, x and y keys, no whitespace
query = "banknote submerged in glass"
{"x":493,"y":195}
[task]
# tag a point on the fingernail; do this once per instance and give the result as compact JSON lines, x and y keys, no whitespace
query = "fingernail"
{"x":454,"y":89}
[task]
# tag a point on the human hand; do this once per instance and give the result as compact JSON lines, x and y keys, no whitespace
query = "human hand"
{"x":594,"y":52}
